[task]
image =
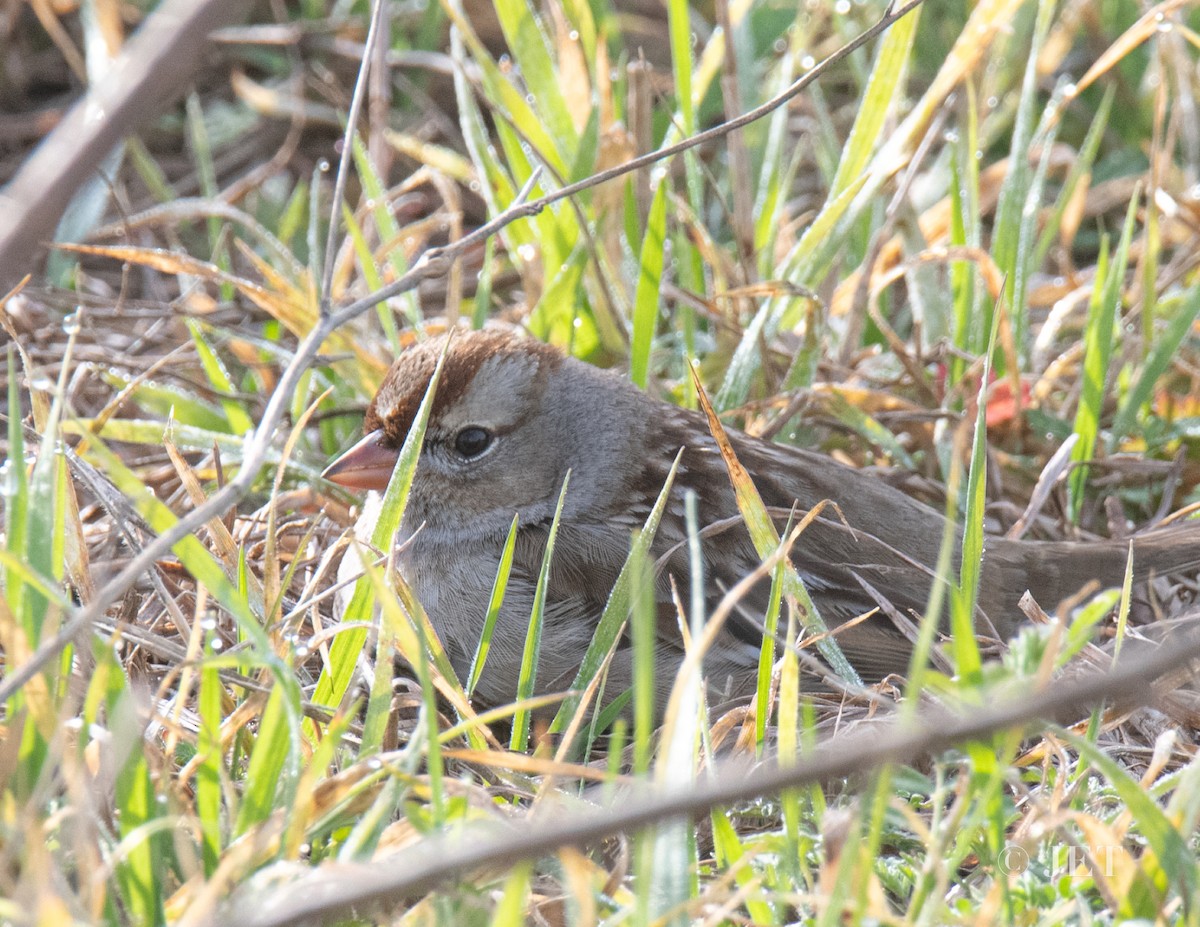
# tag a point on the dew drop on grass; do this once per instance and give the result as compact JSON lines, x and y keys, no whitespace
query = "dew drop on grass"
{"x":323,"y":166}
{"x":70,"y":324}
{"x":573,"y":36}
{"x":808,"y":62}
{"x":842,"y":7}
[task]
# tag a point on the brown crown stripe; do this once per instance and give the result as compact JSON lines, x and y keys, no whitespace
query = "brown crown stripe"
{"x":395,"y":406}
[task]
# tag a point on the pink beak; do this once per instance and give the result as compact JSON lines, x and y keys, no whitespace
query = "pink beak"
{"x":367,"y":465}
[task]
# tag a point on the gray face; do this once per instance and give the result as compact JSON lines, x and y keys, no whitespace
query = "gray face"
{"x":487,"y":445}
{"x":511,"y":417}
{"x":491,"y":450}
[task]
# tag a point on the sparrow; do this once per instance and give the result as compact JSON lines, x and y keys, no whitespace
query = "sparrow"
{"x":511,"y":416}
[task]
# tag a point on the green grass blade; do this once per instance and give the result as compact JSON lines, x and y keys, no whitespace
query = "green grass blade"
{"x":964,"y":646}
{"x":168,"y":401}
{"x":531,"y":49}
{"x":533,"y":636}
{"x":16,"y":498}
{"x":643,"y":623}
{"x":195,"y":557}
{"x":1081,"y":169}
{"x":1169,"y":855}
{"x":616,"y":610}
{"x":1098,"y":345}
{"x":494,"y":604}
{"x":140,"y":871}
{"x":884,"y":88}
{"x":271,"y":775}
{"x":510,"y":103}
{"x":766,"y":539}
{"x":968,"y":330}
{"x":344,"y":651}
{"x":238,"y":419}
{"x":1014,"y":194}
{"x":510,"y":912}
{"x":388,"y":230}
{"x":766,"y":656}
{"x":208,"y":773}
{"x":1165,"y":346}
{"x":804,"y":263}
{"x":730,"y":851}
{"x":647,"y":298}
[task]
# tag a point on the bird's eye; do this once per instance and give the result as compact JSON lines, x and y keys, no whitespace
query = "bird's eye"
{"x":472,"y":441}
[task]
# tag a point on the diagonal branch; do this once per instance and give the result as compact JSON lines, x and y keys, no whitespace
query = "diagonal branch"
{"x":156,"y":64}
{"x":328,"y":897}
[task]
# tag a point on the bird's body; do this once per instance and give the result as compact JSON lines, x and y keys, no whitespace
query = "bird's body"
{"x":512,"y":416}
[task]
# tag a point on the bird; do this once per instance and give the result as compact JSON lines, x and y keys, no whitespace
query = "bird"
{"x":512,"y":416}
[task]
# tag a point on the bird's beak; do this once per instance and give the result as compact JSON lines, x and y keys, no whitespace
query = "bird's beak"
{"x":367,"y":465}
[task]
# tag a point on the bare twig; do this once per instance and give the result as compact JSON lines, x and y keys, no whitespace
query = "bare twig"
{"x":339,"y":185}
{"x":892,"y":15}
{"x":326,"y":898}
{"x":156,"y":64}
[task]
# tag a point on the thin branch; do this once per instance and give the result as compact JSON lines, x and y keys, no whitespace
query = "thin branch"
{"x":339,"y":185}
{"x":535,"y":206}
{"x":155,"y":65}
{"x":888,"y":19}
{"x":333,"y":897}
